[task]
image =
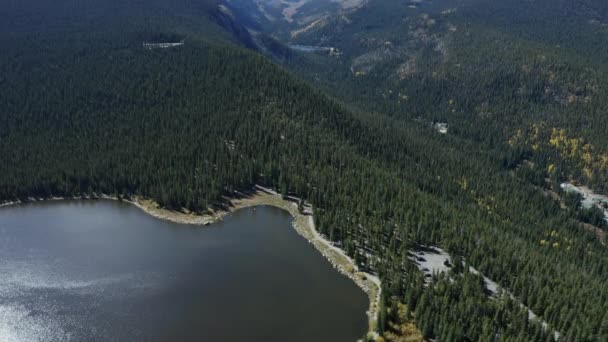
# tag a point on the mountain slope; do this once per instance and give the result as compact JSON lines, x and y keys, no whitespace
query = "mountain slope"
{"x":487,"y":69}
{"x":85,"y":108}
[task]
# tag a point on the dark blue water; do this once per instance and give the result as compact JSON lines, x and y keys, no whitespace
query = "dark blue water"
{"x":106,"y":271}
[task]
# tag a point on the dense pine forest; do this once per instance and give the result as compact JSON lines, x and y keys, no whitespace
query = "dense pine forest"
{"x":529,"y":75}
{"x":86,"y":109}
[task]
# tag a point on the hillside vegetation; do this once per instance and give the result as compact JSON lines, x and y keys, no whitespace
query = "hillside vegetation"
{"x":85,"y":108}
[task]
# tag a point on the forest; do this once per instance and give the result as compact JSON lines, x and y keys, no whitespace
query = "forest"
{"x":85,"y":109}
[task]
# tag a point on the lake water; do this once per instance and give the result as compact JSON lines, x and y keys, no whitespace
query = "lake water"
{"x":106,"y":271}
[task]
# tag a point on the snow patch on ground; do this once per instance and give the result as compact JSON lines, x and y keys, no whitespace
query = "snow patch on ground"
{"x":590,"y":198}
{"x":433,"y":261}
{"x":151,"y":46}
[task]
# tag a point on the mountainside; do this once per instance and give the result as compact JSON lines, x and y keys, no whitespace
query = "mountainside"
{"x":418,"y":124}
{"x":508,"y":74}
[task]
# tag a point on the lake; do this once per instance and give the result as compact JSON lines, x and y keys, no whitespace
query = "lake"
{"x":106,"y":271}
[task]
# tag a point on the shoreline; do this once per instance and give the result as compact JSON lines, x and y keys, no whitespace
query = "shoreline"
{"x":303,"y":223}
